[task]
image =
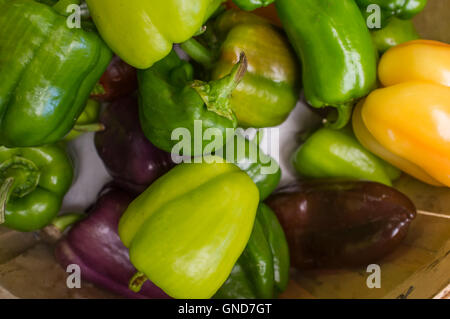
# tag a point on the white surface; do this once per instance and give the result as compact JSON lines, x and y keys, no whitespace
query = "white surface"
{"x":90,"y":175}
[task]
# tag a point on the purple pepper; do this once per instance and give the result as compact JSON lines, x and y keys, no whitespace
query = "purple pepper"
{"x":130,"y":158}
{"x":95,"y":246}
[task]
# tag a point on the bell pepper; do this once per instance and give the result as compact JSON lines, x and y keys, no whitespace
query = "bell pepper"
{"x":403,"y":9}
{"x":336,"y":223}
{"x":269,"y":12}
{"x":337,"y":154}
{"x":396,"y":32}
{"x":406,"y":122}
{"x":33,"y":183}
{"x":187,"y":230}
{"x":143,"y":32}
{"x":94,"y":245}
{"x":338,"y":57}
{"x":128,"y":155}
{"x":171,"y":99}
{"x":262,"y":271}
{"x":262,"y":169}
{"x":270,"y":89}
{"x":119,"y":80}
{"x":87,"y":122}
{"x":250,"y":5}
{"x":48,"y":72}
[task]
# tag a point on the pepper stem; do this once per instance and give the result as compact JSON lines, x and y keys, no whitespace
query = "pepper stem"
{"x":84,"y":128}
{"x":5,"y":192}
{"x":198,"y":52}
{"x":25,"y":173}
{"x":344,"y":113}
{"x":53,"y":232}
{"x":62,"y":222}
{"x":137,"y":281}
{"x":216,"y":94}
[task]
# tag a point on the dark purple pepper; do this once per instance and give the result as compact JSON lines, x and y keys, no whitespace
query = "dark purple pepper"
{"x":341,"y":223}
{"x":95,"y":246}
{"x":119,"y":80}
{"x":130,"y":158}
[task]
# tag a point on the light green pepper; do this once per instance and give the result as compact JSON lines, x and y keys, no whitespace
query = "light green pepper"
{"x":187,"y":230}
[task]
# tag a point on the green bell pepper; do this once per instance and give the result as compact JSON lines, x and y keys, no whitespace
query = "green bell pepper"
{"x":262,"y":271}
{"x":87,"y":122}
{"x":250,"y":5}
{"x":262,"y":169}
{"x":47,"y":73}
{"x":33,"y":183}
{"x":396,"y":32}
{"x":403,"y":9}
{"x":170,"y":99}
{"x":187,"y":230}
{"x":270,"y":89}
{"x":329,"y":153}
{"x":338,"y":57}
{"x":142,"y":32}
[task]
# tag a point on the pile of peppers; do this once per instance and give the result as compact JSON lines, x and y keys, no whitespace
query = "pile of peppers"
{"x":135,"y":72}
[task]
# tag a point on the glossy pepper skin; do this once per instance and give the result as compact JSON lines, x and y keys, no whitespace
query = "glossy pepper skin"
{"x":406,"y":122}
{"x":337,"y":53}
{"x":329,"y":153}
{"x":262,"y":271}
{"x":187,"y":230}
{"x":128,"y":155}
{"x":248,"y":156}
{"x":94,"y":245}
{"x":403,"y":9}
{"x":119,"y":80}
{"x":331,"y":223}
{"x":170,"y":98}
{"x":33,"y":183}
{"x":48,"y":72}
{"x":250,"y":5}
{"x":270,"y":89}
{"x":142,"y":32}
{"x":396,"y":32}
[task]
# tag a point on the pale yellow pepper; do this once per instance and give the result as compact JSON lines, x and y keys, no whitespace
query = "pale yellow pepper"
{"x":407,"y":122}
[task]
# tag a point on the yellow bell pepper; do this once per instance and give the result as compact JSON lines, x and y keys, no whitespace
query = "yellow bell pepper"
{"x":407,"y":123}
{"x":417,"y":60}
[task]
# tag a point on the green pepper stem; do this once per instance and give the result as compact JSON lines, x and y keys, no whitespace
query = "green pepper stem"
{"x":137,"y":281}
{"x":62,"y":222}
{"x":344,"y":113}
{"x":25,"y":173}
{"x":53,"y":232}
{"x":84,"y":128}
{"x":198,"y":52}
{"x":216,"y":94}
{"x":5,"y":192}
